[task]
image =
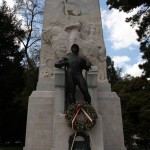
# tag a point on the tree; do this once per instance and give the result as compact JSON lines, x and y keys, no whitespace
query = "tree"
{"x":11,"y":74}
{"x":135,"y":94}
{"x":31,"y":11}
{"x":113,"y":75}
{"x":142,"y":20}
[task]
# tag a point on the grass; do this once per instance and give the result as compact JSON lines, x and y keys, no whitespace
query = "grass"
{"x":11,"y":148}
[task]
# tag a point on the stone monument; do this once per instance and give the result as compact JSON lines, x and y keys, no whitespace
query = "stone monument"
{"x":68,"y":22}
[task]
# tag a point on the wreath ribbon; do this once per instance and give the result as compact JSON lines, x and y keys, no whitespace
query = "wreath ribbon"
{"x":85,"y":113}
{"x":87,"y":116}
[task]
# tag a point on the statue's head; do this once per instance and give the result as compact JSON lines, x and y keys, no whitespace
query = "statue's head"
{"x":75,"y":48}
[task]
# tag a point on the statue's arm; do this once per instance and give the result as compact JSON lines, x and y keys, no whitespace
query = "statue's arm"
{"x":86,"y":64}
{"x":61,"y":63}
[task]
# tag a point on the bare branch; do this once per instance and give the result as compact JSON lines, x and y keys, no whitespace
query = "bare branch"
{"x":31,"y":10}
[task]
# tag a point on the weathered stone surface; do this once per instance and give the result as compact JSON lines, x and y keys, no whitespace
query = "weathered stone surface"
{"x":97,"y":140}
{"x":67,"y":22}
{"x":61,"y":130}
{"x":103,"y":86}
{"x":46,"y":123}
{"x":40,"y":120}
{"x":74,"y":22}
{"x":110,"y":109}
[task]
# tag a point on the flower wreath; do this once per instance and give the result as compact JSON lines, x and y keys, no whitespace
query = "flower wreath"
{"x":88,"y":119}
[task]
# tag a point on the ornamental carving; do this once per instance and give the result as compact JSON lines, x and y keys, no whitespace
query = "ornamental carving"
{"x":61,"y":34}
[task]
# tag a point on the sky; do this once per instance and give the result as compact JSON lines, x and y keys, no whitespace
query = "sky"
{"x":120,"y":39}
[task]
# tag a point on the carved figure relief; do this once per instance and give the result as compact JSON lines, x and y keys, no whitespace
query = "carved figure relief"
{"x":71,"y":9}
{"x":62,"y":34}
{"x":57,"y":38}
{"x":73,"y":30}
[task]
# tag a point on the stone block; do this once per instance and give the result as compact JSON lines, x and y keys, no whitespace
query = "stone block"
{"x":40,"y":121}
{"x":62,"y":134}
{"x":110,"y":109}
{"x":104,"y":86}
{"x":45,"y":84}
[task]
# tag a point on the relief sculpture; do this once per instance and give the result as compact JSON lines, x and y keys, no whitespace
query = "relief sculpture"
{"x":57,"y":38}
{"x":71,"y":9}
{"x":63,"y":33}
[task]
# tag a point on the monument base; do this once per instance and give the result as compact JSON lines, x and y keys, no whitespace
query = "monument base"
{"x":36,"y":148}
{"x":46,"y":125}
{"x":39,"y":129}
{"x":62,"y":134}
{"x":110,"y":109}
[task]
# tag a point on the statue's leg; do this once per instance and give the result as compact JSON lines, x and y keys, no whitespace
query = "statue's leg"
{"x":81,"y":82}
{"x":71,"y":87}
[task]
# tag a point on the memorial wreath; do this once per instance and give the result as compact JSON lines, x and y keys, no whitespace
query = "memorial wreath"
{"x":81,"y":116}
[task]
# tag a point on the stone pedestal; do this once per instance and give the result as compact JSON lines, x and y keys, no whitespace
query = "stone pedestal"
{"x":61,"y":131}
{"x":110,"y":109}
{"x":39,"y":129}
{"x":62,"y":134}
{"x":46,"y":124}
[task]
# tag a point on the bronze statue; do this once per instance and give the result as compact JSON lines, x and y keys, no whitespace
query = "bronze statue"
{"x":74,"y":65}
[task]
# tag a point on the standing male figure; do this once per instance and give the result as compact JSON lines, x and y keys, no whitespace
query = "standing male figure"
{"x":74,"y":65}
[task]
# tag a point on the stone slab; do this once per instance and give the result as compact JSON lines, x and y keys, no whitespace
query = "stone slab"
{"x":39,"y":129}
{"x":110,"y":109}
{"x":36,"y":148}
{"x":104,"y":86}
{"x":62,"y":134}
{"x":46,"y":124}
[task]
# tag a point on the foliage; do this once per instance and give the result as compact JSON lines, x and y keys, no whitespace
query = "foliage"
{"x":135,"y":101}
{"x":11,"y":148}
{"x":30,"y":78}
{"x":142,"y":20}
{"x":31,"y":11}
{"x":113,"y":75}
{"x":11,"y":74}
